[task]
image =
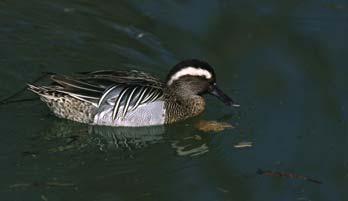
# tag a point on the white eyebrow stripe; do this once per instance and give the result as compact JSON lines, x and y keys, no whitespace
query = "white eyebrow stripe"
{"x":190,"y":71}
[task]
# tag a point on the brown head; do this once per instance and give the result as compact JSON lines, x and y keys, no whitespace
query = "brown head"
{"x":194,"y":77}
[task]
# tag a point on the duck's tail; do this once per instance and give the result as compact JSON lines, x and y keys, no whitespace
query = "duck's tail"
{"x":44,"y":92}
{"x":35,"y":89}
{"x":64,"y":105}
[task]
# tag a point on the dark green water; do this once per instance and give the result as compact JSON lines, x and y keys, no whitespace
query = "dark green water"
{"x":285,"y":63}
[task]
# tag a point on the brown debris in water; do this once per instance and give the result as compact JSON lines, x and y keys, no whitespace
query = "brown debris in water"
{"x":212,"y":126}
{"x":287,"y":175}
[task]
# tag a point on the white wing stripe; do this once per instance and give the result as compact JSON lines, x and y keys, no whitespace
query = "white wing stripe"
{"x":118,"y":101}
{"x":128,"y":101}
{"x":139,"y":99}
{"x":105,"y":94}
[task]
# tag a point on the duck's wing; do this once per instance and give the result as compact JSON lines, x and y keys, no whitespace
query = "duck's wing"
{"x":105,"y":78}
{"x":123,"y":90}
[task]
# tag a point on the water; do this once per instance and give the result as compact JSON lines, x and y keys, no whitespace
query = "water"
{"x":284,"y":62}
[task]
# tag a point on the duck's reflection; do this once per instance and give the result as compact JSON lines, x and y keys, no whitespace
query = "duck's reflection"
{"x":190,"y":146}
{"x":69,"y":136}
{"x":123,"y":138}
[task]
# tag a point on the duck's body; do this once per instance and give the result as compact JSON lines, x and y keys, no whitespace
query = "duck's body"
{"x":129,"y":98}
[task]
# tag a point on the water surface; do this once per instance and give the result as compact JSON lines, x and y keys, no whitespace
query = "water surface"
{"x":284,"y":62}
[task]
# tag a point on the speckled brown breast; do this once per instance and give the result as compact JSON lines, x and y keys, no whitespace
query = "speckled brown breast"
{"x":181,"y":109}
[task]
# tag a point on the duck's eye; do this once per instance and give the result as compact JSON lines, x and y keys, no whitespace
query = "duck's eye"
{"x":212,"y":83}
{"x":211,"y":86}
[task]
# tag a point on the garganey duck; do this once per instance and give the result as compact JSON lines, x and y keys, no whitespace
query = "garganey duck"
{"x":132,"y":98}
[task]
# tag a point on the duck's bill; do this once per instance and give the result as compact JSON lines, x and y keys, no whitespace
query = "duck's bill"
{"x":223,"y":97}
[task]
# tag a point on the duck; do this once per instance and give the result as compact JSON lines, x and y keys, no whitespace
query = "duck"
{"x":132,"y":98}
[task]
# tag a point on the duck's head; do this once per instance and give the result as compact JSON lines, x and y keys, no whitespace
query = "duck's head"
{"x":195,"y":77}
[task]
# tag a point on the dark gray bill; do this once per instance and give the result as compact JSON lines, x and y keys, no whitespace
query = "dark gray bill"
{"x":222,"y":96}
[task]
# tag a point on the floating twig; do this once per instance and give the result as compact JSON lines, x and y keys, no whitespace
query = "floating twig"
{"x":59,"y":184}
{"x":222,"y":190}
{"x":18,"y":101}
{"x":20,"y":185}
{"x":43,"y":197}
{"x":287,"y":175}
{"x":243,"y":145}
{"x":41,"y":184}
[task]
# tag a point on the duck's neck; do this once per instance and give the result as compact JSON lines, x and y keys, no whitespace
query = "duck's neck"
{"x":182,"y":104}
